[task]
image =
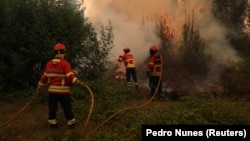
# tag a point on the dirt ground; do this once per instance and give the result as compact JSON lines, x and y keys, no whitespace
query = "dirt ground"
{"x":31,"y":124}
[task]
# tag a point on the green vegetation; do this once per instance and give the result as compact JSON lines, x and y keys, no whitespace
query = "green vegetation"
{"x":112,"y":96}
{"x":29,"y":29}
{"x":28,"y":32}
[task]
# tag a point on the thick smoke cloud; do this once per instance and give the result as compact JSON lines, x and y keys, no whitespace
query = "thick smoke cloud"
{"x":126,"y":17}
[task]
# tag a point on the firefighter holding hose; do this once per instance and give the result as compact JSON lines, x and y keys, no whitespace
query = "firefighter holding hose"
{"x":154,"y":70}
{"x":59,"y":75}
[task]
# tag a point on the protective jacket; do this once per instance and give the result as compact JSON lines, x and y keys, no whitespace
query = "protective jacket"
{"x":155,"y":65}
{"x":59,"y":74}
{"x":128,"y":60}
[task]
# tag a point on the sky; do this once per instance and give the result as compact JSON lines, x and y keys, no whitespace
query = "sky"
{"x":127,"y":17}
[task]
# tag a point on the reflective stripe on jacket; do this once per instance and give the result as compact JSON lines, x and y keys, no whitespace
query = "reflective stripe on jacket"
{"x":128,"y":60}
{"x":59,"y":74}
{"x":155,"y":65}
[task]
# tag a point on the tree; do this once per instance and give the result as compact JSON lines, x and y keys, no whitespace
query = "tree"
{"x":166,"y":33}
{"x":193,"y":57}
{"x":231,"y":12}
{"x":32,"y":27}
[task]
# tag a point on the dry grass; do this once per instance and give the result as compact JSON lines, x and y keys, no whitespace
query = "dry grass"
{"x":31,"y":124}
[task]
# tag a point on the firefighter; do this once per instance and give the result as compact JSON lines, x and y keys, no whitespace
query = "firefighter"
{"x":130,"y":65}
{"x":154,"y":70}
{"x":59,"y":75}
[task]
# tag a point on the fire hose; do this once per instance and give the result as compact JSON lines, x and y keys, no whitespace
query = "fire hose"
{"x":90,"y":110}
{"x":19,"y":112}
{"x":32,"y":99}
{"x":131,"y":107}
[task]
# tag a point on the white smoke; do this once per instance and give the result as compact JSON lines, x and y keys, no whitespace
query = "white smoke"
{"x":126,"y":17}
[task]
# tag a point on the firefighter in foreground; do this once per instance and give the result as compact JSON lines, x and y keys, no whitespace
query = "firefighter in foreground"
{"x":130,"y":65}
{"x":59,"y":75}
{"x":154,"y":70}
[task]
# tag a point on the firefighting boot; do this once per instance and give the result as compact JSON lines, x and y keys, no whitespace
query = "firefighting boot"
{"x":72,"y":122}
{"x":52,"y":123}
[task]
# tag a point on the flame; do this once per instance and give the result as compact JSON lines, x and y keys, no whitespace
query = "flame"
{"x":166,"y":27}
